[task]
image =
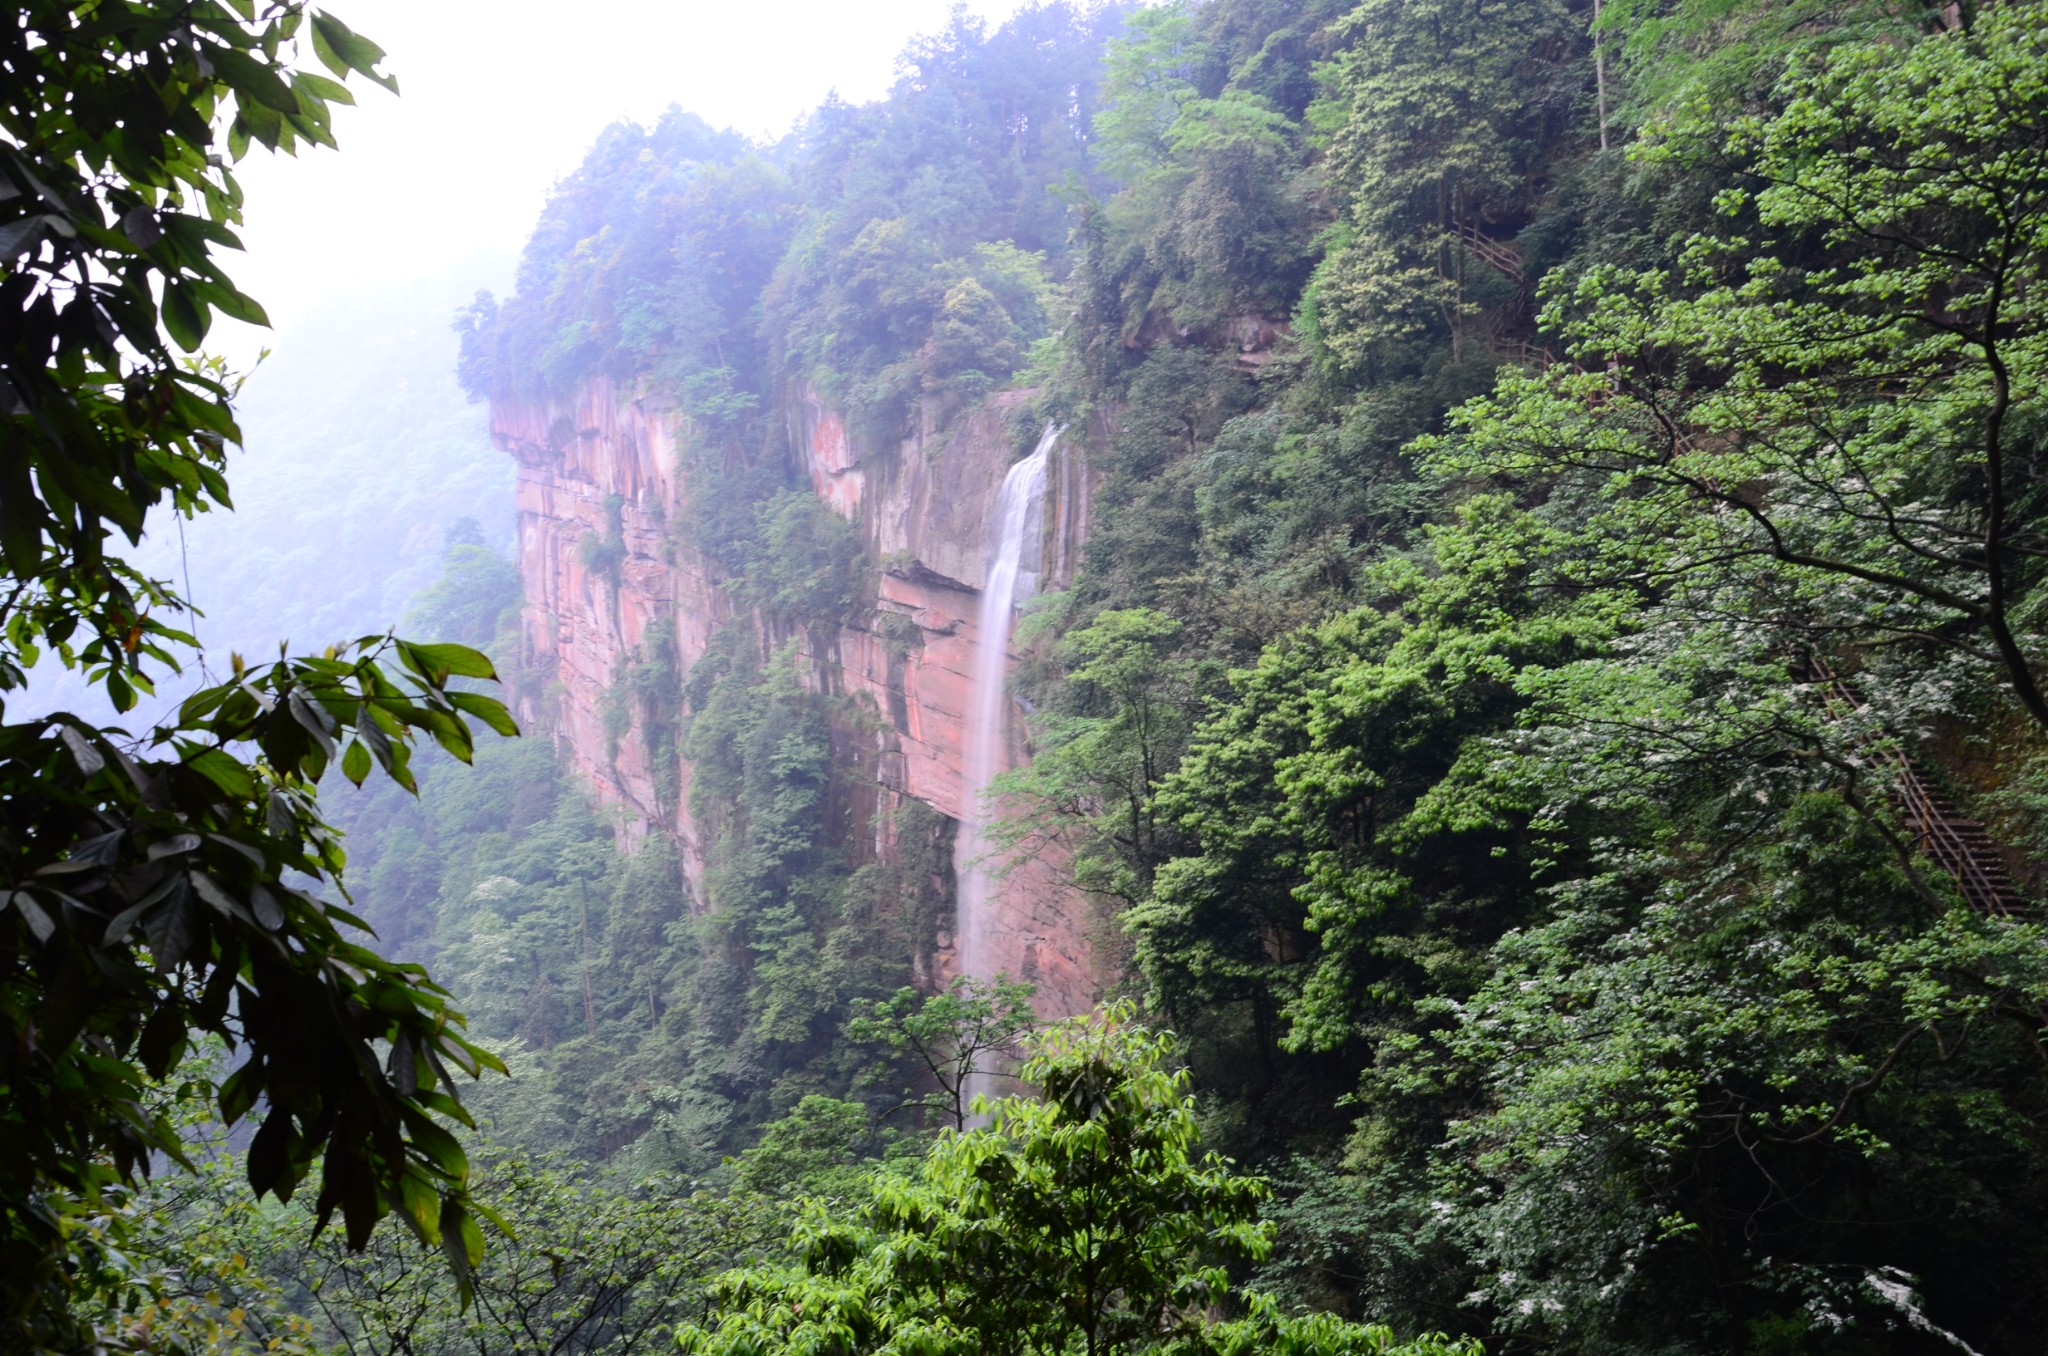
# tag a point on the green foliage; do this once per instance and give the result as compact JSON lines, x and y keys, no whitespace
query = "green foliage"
{"x":1345,"y":840}
{"x":649,"y":258}
{"x":822,"y":1149}
{"x":586,"y":1264}
{"x":475,"y":326}
{"x":163,"y":888}
{"x":1149,"y":79}
{"x":112,"y":219}
{"x":901,"y":248}
{"x":1720,"y":1065}
{"x":1834,"y":393}
{"x":152,"y":1268}
{"x":918,"y":206}
{"x":581,"y":1261}
{"x":1211,"y":219}
{"x":795,"y":936}
{"x":604,"y":553}
{"x":987,"y":320}
{"x":1511,"y":887}
{"x":1729,"y":53}
{"x":1436,"y":698}
{"x":803,"y":563}
{"x":468,"y":603}
{"x":1130,"y":706}
{"x":1081,"y":1221}
{"x":193,"y":848}
{"x":1444,"y":118}
{"x":954,"y":1038}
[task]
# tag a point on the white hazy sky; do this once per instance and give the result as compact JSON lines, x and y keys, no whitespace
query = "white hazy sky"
{"x":500,"y":98}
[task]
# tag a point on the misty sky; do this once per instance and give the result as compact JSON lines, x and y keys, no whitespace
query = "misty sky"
{"x":362,"y":255}
{"x":502,"y":97}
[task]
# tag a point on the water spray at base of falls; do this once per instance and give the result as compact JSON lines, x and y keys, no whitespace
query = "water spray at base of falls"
{"x":1009,"y":581}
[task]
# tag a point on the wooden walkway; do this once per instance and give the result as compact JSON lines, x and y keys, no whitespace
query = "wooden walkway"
{"x":1958,"y":845}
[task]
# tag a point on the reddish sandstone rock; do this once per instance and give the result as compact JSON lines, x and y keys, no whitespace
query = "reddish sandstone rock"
{"x":923,"y":507}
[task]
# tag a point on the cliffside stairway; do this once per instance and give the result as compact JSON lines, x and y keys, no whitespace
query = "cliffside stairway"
{"x":1501,"y":258}
{"x":1958,"y":845}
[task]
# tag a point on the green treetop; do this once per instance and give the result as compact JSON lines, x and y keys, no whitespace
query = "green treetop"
{"x":1082,"y":1220}
{"x":153,"y":888}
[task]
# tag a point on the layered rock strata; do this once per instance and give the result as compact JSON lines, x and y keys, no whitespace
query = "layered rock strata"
{"x":603,"y":466}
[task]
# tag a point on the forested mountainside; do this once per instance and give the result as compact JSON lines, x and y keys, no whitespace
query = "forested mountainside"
{"x":341,"y":393}
{"x":1533,"y":677}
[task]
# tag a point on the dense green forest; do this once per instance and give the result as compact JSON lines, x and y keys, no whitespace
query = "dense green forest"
{"x":1569,"y":530}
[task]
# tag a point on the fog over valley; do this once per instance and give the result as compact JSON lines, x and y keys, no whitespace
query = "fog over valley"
{"x":1026,"y":678}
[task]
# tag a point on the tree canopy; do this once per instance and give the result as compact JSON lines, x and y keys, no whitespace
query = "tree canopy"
{"x":1078,"y":1220}
{"x":165,"y":885}
{"x":1548,"y":709}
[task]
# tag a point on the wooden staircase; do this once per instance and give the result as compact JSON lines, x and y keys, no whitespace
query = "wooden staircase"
{"x":1960,"y":846}
{"x":1501,"y":258}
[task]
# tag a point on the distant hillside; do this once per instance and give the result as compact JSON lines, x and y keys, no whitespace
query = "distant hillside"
{"x":359,"y":453}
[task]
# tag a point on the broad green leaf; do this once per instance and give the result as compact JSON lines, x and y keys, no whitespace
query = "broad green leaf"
{"x":355,"y":763}
{"x":186,"y":319}
{"x":489,"y":710}
{"x":459,"y":660}
{"x":224,"y":771}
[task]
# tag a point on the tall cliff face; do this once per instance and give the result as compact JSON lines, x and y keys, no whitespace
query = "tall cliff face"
{"x":598,"y":486}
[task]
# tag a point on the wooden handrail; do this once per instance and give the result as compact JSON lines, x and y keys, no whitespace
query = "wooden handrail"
{"x":1947,"y":839}
{"x":1501,"y":258}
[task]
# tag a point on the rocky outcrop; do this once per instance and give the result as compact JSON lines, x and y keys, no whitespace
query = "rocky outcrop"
{"x":598,"y":485}
{"x":592,"y":468}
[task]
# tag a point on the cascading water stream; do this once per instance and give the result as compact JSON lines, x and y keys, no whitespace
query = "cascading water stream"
{"x":1010,"y":580}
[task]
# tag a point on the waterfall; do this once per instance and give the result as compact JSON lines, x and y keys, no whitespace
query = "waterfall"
{"x":1010,"y":579}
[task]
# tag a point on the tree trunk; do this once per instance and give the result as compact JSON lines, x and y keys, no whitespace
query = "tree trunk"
{"x":583,"y":962}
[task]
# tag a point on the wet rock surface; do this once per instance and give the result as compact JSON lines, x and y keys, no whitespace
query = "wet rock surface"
{"x":605,"y":462}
